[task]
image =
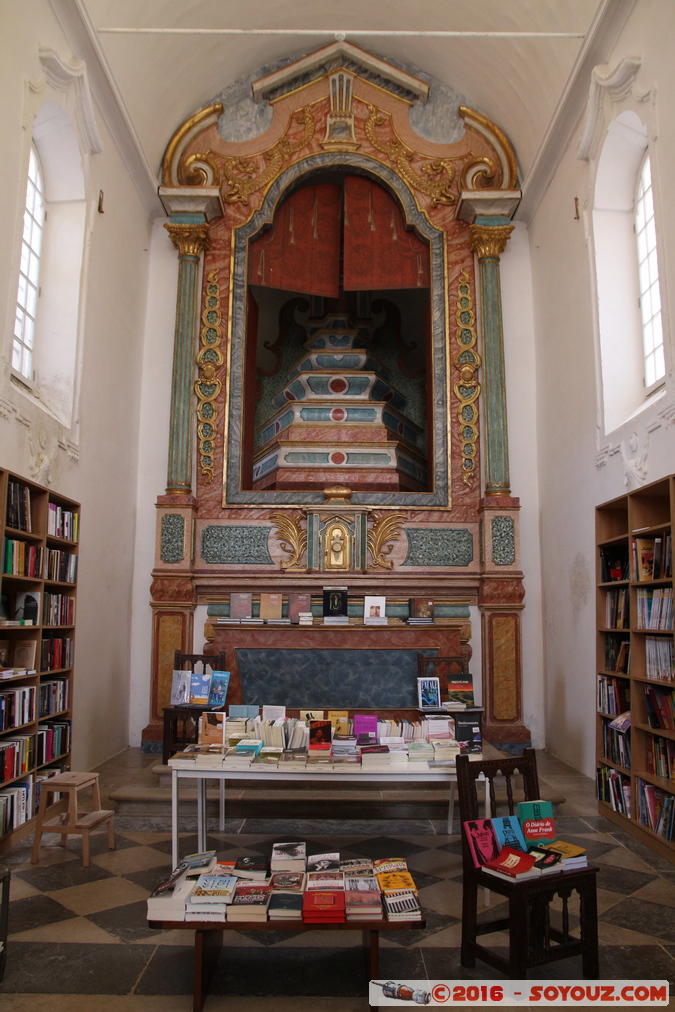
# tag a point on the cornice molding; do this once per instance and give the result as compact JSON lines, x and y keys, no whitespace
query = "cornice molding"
{"x":602,"y":36}
{"x":618,"y":84}
{"x":63,"y":76}
{"x":81,"y":35}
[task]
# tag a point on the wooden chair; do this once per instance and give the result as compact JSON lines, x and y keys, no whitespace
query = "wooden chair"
{"x":181,"y":723}
{"x":533,"y":938}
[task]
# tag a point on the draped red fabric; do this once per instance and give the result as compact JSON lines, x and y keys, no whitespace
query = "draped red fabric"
{"x":379,"y":252}
{"x":301,"y":252}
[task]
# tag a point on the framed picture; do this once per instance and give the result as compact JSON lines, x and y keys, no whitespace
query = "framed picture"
{"x":428,"y":693}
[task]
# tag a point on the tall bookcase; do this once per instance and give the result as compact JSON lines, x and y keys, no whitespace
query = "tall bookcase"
{"x":38,"y":581}
{"x":635,"y":676}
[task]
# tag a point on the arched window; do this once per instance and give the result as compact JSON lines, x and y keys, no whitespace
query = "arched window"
{"x":648,"y":280}
{"x":629,"y":304}
{"x":29,"y":270}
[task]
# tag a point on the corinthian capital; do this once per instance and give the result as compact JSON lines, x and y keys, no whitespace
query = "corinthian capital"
{"x":189,"y":240}
{"x":489,"y":240}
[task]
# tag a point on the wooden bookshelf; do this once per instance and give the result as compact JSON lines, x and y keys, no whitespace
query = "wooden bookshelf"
{"x":38,"y":582}
{"x":636,"y":776}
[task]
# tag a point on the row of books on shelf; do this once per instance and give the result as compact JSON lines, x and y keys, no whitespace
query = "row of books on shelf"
{"x":617,"y":608}
{"x":18,"y":513}
{"x":616,"y":740}
{"x":335,"y":609}
{"x":27,"y":608}
{"x":19,"y":802}
{"x":522,"y":846}
{"x":18,"y":706}
{"x":660,"y":707}
{"x":660,"y":756}
{"x":617,"y":653}
{"x":286,"y":885}
{"x":63,"y":523}
{"x":613,"y":695}
{"x":614,"y":789}
{"x":659,"y":659}
{"x":655,"y":608}
{"x":38,"y":563}
{"x":24,"y":752}
{"x":652,"y":557}
{"x":656,"y":809}
{"x":56,"y":653}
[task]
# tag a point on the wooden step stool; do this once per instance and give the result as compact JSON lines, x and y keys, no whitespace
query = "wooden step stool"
{"x":71,"y":822}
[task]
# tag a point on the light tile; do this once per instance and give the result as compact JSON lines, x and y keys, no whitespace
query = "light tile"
{"x":612,"y":934}
{"x":441,"y":863}
{"x":77,"y":931}
{"x":657,"y":891}
{"x":620,"y":857}
{"x":102,"y":895}
{"x":119,"y":862}
{"x":19,"y":889}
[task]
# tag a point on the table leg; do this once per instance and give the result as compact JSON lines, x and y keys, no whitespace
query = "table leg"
{"x":221,"y":824}
{"x":451,"y":806}
{"x":174,"y":818}
{"x":207,"y":949}
{"x":201,"y":813}
{"x":371,"y":950}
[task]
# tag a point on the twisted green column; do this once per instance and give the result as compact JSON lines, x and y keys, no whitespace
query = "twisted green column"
{"x":190,"y":238}
{"x":489,"y":236}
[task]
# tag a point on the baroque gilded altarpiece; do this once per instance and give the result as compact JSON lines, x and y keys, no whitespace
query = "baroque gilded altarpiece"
{"x":454,"y":539}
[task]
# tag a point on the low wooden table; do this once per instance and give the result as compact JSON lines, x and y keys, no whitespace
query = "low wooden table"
{"x":209,"y":942}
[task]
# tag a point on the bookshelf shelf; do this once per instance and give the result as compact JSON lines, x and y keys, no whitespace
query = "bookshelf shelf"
{"x":34,"y":519}
{"x":633,"y":538}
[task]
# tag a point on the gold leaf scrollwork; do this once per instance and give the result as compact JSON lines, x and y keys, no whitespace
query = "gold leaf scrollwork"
{"x":438,"y":173}
{"x":241,"y":174}
{"x":385,"y":529}
{"x":207,"y":387}
{"x":467,"y":361}
{"x":292,"y":539}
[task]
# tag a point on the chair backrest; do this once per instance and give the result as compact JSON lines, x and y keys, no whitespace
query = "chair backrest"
{"x":502,"y":775}
{"x":192,"y":661}
{"x":443,"y":667}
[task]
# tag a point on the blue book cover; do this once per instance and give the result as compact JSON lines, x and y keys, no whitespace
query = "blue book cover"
{"x":509,"y":833}
{"x":218,"y":689}
{"x":199,"y":687}
{"x":243,"y":710}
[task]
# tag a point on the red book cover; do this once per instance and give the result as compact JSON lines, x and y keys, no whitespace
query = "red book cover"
{"x":514,"y":863}
{"x":482,"y":841}
{"x":296,"y":604}
{"x":319,"y":735}
{"x":324,"y":905}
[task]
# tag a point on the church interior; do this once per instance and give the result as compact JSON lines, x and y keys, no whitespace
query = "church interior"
{"x":329,"y":297}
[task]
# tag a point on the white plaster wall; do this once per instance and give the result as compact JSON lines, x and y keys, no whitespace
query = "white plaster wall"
{"x":153,"y":443}
{"x":519,"y":353}
{"x":95,"y":462}
{"x":573,"y":476}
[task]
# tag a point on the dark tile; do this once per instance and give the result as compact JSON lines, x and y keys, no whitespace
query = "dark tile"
{"x":435,"y":922}
{"x":35,"y":912}
{"x":566,"y":825}
{"x":646,"y":962}
{"x":62,"y":968}
{"x":387,"y":846}
{"x":148,"y":878}
{"x":266,"y":971}
{"x":62,"y":876}
{"x":639,"y":915}
{"x":170,"y":971}
{"x":270,"y":937}
{"x":188,"y":845}
{"x":622,"y":880}
{"x":423,"y":879}
{"x":99,"y":844}
{"x":128,"y":923}
{"x":454,"y":847}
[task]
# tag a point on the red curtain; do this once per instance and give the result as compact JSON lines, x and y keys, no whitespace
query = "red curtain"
{"x":301,"y":252}
{"x":379,"y":252}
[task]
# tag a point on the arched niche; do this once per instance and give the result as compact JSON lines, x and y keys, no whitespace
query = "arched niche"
{"x":301,"y":173}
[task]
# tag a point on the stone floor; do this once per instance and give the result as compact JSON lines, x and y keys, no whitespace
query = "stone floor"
{"x":79,"y":937}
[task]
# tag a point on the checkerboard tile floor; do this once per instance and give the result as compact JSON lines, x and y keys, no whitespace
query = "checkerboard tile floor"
{"x":77,"y":934}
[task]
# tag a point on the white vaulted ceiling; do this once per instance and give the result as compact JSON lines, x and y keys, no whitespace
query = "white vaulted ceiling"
{"x":525,"y":64}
